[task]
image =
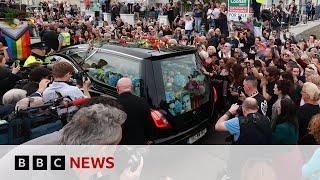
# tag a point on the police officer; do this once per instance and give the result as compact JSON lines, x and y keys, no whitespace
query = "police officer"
{"x":252,"y":128}
{"x":39,"y":55}
{"x":64,"y":38}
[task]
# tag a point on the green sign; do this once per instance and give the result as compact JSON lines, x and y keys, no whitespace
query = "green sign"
{"x":239,"y":3}
{"x":238,"y":8}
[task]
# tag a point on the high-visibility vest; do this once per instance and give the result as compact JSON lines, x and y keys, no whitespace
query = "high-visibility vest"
{"x":66,"y":39}
{"x":31,"y":59}
{"x":260,"y":1}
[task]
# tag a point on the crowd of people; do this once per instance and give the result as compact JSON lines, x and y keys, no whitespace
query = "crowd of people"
{"x":273,"y":77}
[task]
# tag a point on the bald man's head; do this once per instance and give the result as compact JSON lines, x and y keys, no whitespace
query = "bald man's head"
{"x":251,"y":104}
{"x":124,"y":85}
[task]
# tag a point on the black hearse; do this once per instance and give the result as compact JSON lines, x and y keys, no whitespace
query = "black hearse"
{"x":169,"y":78}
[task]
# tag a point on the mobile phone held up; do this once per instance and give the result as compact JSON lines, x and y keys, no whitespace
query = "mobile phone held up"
{"x":17,"y":63}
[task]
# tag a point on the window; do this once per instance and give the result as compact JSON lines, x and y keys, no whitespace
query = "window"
{"x":78,"y":56}
{"x":55,"y":58}
{"x":184,"y":86}
{"x":109,"y":68}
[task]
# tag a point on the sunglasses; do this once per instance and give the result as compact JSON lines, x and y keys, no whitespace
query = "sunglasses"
{"x":310,"y":68}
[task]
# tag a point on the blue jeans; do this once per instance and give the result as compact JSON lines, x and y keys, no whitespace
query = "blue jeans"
{"x":211,"y":23}
{"x":188,"y":33}
{"x":197,"y":23}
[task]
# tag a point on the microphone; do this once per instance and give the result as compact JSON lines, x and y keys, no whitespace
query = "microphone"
{"x":75,"y":102}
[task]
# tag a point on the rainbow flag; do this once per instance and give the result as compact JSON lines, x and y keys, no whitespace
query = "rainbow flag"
{"x":18,"y":40}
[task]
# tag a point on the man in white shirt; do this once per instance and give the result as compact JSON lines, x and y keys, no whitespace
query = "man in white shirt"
{"x":62,"y":72}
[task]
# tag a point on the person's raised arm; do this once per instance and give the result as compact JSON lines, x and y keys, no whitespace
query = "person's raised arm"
{"x":86,"y":85}
{"x":264,"y":89}
{"x":220,"y":123}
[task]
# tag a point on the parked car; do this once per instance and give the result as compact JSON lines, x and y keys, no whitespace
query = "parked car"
{"x":169,"y":79}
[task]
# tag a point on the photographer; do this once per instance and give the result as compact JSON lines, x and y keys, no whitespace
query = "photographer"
{"x":62,"y":72}
{"x":252,"y":128}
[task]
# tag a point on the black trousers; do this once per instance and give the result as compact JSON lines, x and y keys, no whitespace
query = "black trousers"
{"x":130,"y":8}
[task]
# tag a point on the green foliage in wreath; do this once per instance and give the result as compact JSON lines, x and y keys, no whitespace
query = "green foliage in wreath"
{"x":10,"y":14}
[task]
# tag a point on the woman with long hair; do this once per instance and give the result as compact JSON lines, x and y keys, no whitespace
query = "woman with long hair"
{"x":314,"y":128}
{"x":294,"y":92}
{"x":177,"y":34}
{"x":286,"y":128}
{"x":281,"y":89}
{"x":313,"y":135}
{"x":236,"y":78}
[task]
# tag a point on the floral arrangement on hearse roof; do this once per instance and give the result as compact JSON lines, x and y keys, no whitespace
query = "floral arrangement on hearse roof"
{"x":147,"y":42}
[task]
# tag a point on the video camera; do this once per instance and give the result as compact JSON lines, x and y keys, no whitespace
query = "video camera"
{"x":78,"y":77}
{"x":128,"y":156}
{"x":53,"y":108}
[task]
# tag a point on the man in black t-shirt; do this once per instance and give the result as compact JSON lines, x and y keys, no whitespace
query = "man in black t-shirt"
{"x":250,"y":90}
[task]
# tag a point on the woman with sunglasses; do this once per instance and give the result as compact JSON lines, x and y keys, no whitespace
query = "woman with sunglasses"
{"x":286,"y":46}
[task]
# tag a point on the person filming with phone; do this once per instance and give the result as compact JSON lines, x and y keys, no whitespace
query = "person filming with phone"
{"x":8,"y":76}
{"x":251,"y":128}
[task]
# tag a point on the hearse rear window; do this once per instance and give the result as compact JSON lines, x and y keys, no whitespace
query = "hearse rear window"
{"x":185,"y":87}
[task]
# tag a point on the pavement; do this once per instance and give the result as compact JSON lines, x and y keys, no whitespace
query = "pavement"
{"x":301,"y":28}
{"x":305,"y":30}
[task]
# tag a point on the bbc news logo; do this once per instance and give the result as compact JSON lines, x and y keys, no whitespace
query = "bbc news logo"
{"x":59,"y":162}
{"x":39,"y":162}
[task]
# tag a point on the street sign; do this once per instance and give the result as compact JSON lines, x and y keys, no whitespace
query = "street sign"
{"x":238,"y":8}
